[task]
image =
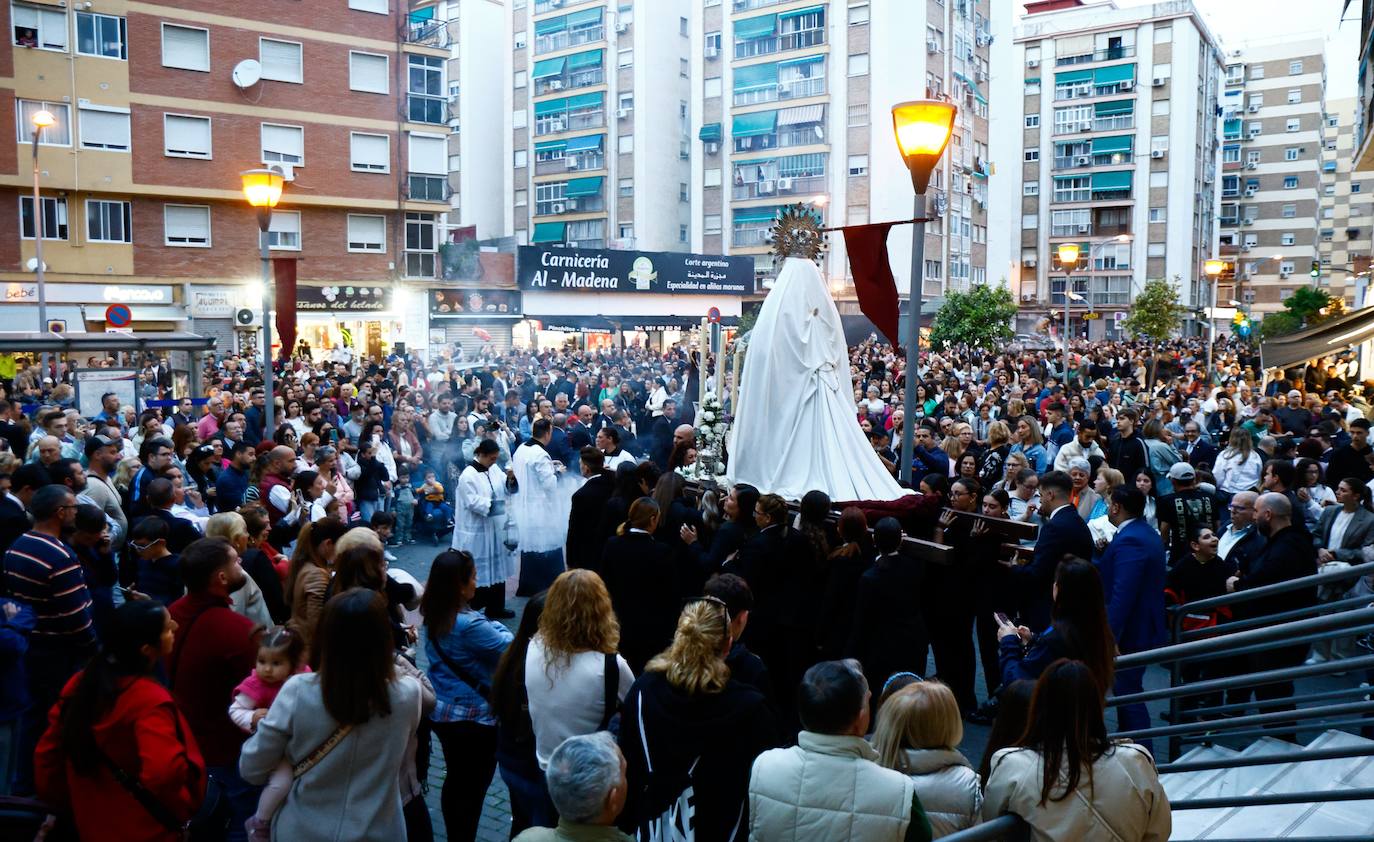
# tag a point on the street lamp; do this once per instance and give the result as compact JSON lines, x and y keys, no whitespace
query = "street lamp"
{"x":922,"y":128}
{"x":1213,"y":269}
{"x":262,"y":188}
{"x":1068,"y":259}
{"x":41,"y":119}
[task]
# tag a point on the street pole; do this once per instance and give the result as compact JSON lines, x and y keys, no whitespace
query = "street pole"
{"x":913,"y":336}
{"x":1068,"y":290}
{"x":268,"y":405}
{"x":38,"y":256}
{"x":1212,"y":333}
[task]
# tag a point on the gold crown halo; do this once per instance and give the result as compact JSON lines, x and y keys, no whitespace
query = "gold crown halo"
{"x":797,"y":233}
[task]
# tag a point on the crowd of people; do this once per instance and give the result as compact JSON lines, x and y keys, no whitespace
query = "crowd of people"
{"x":204,"y":635}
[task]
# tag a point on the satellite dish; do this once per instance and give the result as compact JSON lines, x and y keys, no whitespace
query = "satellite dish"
{"x":247,"y":73}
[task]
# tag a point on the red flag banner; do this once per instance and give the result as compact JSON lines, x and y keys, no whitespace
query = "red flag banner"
{"x":284,"y":273}
{"x":873,"y":281}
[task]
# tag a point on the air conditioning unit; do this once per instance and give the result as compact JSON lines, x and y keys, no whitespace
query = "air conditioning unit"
{"x":1251,"y":165}
{"x":712,"y":52}
{"x":558,"y":126}
{"x":1156,"y":153}
{"x":1158,"y":82}
{"x":932,"y":46}
{"x":571,"y":203}
{"x":784,"y":184}
{"x":622,"y":113}
{"x":246,"y":317}
{"x":1253,"y":133}
{"x":1084,"y":229}
{"x":1082,"y":160}
{"x":1253,"y":108}
{"x":555,"y":4}
{"x":288,"y":171}
{"x":1250,"y":191}
{"x":1127,"y":85}
{"x":622,"y":27}
{"x":712,"y":147}
{"x":572,"y":244}
{"x":1247,"y":221}
{"x":556,"y":85}
{"x":981,"y":76}
{"x":1029,"y":263}
{"x":1035,"y":62}
{"x":1245,"y":247}
{"x":1085,"y":127}
{"x":765,"y":188}
{"x":1284,"y":275}
{"x":558,"y":207}
{"x":572,"y":163}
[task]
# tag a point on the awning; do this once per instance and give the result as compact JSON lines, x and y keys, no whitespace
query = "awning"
{"x":593,"y":100}
{"x":759,"y":27}
{"x":1112,"y":180}
{"x":26,"y":315}
{"x":549,"y":67}
{"x":590,"y":58}
{"x":587,"y":17}
{"x":801,"y":115}
{"x":1115,"y":73}
{"x":573,"y":324}
{"x":1327,"y":338}
{"x":1071,"y":76}
{"x":550,"y":25}
{"x":757,"y":123}
{"x":794,"y":62}
{"x":549,"y":232}
{"x":422,"y":15}
{"x":764,"y":214}
{"x":585,"y":143}
{"x":796,"y":13}
{"x":1118,"y":106}
{"x":583,"y":187}
{"x":550,"y":146}
{"x":755,"y":76}
{"x":550,"y":106}
{"x":1119,"y":143}
{"x":711,"y":133}
{"x":84,"y":343}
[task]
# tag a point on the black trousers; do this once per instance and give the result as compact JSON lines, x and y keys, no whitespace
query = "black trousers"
{"x":951,"y":639}
{"x":470,"y":758}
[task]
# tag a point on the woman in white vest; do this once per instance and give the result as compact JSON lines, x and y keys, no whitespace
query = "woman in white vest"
{"x":1104,"y":789}
{"x":919,"y":730}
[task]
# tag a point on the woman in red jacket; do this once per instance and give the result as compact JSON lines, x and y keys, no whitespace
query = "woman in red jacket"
{"x":115,"y":713}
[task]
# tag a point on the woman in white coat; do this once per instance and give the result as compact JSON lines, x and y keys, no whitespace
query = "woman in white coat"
{"x":918,"y":730}
{"x":479,"y":527}
{"x":1102,"y":789}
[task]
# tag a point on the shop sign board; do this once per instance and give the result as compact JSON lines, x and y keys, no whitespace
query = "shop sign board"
{"x":603,"y":270}
{"x":473,"y":303}
{"x":343,"y":299}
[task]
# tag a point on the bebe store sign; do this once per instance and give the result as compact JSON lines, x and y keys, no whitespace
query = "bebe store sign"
{"x":59,"y":293}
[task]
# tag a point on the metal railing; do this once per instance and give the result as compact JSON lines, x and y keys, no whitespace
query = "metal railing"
{"x":430,"y":33}
{"x":1096,"y":55}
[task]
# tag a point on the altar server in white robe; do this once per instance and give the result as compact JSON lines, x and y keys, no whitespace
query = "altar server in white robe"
{"x":540,"y":512}
{"x":480,"y":528}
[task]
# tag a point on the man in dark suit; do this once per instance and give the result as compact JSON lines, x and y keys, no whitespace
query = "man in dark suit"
{"x":1196,"y":449}
{"x":1132,"y":571}
{"x":1351,"y":460}
{"x":180,"y":532}
{"x":580,"y":433}
{"x":585,"y":541}
{"x":1063,"y":533}
{"x":605,"y":418}
{"x":661,"y":435}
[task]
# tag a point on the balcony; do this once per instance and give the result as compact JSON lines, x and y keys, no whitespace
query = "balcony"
{"x":542,"y":6}
{"x":794,"y":89}
{"x":798,"y":40}
{"x":421,"y":264}
{"x":579,"y":195}
{"x":805,"y":185}
{"x":568,"y":205}
{"x":570,"y":163}
{"x":427,"y":33}
{"x":422,"y":108}
{"x":1109,"y":54}
{"x":569,"y":121}
{"x":568,"y":38}
{"x":746,"y":5}
{"x":568,"y":81}
{"x":427,"y":188}
{"x":750,"y":236}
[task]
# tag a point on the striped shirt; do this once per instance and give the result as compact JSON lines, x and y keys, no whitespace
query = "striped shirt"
{"x":44,"y":572}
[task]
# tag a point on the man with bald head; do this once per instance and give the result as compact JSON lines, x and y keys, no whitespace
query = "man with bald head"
{"x":1288,"y":554}
{"x":279,"y":469}
{"x":47,"y":451}
{"x":1241,"y":540}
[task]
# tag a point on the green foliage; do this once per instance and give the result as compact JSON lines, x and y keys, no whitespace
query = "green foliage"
{"x":980,"y":318}
{"x":1155,"y":313}
{"x":1279,"y":324}
{"x":1307,"y":306}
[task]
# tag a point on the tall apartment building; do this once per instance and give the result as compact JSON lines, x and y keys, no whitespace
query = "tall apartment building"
{"x":480,"y":139}
{"x":140,"y":194}
{"x":791,"y":103}
{"x":1273,"y":130}
{"x":1112,"y":114}
{"x":1345,"y":238}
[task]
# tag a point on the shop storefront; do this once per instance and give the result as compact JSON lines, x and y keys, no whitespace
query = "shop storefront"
{"x":79,"y":308}
{"x":361,"y":319}
{"x":472,"y":318}
{"x":592,"y":299}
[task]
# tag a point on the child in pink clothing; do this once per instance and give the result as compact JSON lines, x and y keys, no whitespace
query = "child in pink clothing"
{"x":280,"y":656}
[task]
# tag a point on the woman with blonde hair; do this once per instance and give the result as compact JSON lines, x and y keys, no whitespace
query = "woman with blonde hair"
{"x":643,"y":582}
{"x":918,"y":733}
{"x":687,"y":726}
{"x":567,"y":662}
{"x":995,"y":457}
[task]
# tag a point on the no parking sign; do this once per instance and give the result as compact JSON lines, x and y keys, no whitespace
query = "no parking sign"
{"x":118,"y":315}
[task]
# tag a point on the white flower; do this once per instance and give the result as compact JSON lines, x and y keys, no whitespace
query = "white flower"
{"x":708,"y":416}
{"x":720,"y":470}
{"x":720,"y":429}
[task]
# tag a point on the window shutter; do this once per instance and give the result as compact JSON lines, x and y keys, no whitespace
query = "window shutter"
{"x":371,"y":152}
{"x":368,"y":72}
{"x":428,"y":155}
{"x":281,"y":60}
{"x":104,"y":129}
{"x":366,"y":233}
{"x":187,"y":136}
{"x":285,"y":141}
{"x":187,"y":224}
{"x":186,"y":48}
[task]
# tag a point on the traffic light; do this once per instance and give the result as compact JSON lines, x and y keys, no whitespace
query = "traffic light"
{"x":1316,"y":269}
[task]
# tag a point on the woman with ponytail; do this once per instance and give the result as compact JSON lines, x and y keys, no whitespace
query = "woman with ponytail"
{"x":642,"y":579}
{"x":690,"y":734}
{"x":115,"y":714}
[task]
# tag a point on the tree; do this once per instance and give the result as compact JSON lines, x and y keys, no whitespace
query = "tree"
{"x":1155,"y":314}
{"x":1307,"y":306}
{"x":980,"y":318}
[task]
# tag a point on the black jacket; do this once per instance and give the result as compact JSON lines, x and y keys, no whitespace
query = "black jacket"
{"x":641,"y":578}
{"x":889,"y":632}
{"x":259,"y":566}
{"x":180,"y":532}
{"x":1128,"y":455}
{"x":1063,"y":534}
{"x":1348,"y":462}
{"x":1289,"y":554}
{"x":585,"y":540}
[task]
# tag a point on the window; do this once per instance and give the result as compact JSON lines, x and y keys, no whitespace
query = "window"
{"x":1029,"y":221}
{"x":522,"y":78}
{"x":858,"y":64}
{"x":626,"y":101}
{"x":857,"y":215}
{"x":1164,"y":34}
{"x":1159,"y":179}
{"x":366,"y":233}
{"x":1255,"y":129}
{"x":1032,"y":121}
{"x":684,"y":68}
{"x":684,"y":193}
{"x":626,"y":188}
{"x":368,"y":72}
{"x":374,"y":6}
{"x":1290,"y":182}
{"x":682,"y":233}
{"x":1291,"y":153}
{"x":858,"y":165}
{"x":1030,"y":155}
{"x":1163,"y":71}
{"x":186,"y":226}
{"x":1160,"y":108}
{"x":1286,"y":267}
{"x":1155,"y":250}
{"x":425,"y":89}
{"x":58,"y":134}
{"x":1230,"y":154}
{"x":858,"y":115}
{"x":683,"y":27}
{"x":284,"y":231}
{"x":712,"y":87}
{"x":1030,"y":188}
{"x":281,"y":60}
{"x":1252,"y":156}
{"x":858,"y":14}
{"x":104,"y":128}
{"x":625,"y":58}
{"x":1287,"y":238}
{"x":108,"y":222}
{"x":184,"y":136}
{"x":1355,"y":188}
{"x":519,"y":118}
{"x":711,"y":223}
{"x":185,"y":47}
{"x":369,"y":152}
{"x":54,"y":217}
{"x":1295,"y":67}
{"x":1256,"y":71}
{"x":625,"y":144}
{"x":282,"y":144}
{"x":1294,"y":96}
{"x":711,"y":177}
{"x":522,"y":198}
{"x":1157,"y":215}
{"x":106,"y":36}
{"x":1290,"y":211}
{"x":1293,"y":125}
{"x":519,"y":41}
{"x":521,"y":159}
{"x":712,"y":42}
{"x":40,"y":27}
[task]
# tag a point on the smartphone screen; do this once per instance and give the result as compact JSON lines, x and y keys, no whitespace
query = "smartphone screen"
{"x":1002,"y":619}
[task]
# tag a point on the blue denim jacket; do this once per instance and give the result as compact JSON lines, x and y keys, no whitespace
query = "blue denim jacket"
{"x":475,"y":644}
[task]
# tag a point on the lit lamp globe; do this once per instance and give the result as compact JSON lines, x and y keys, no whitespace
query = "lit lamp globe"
{"x":1068,"y":255}
{"x":43,"y":119}
{"x":922,"y":128}
{"x":1214,"y":267}
{"x":262,"y":188}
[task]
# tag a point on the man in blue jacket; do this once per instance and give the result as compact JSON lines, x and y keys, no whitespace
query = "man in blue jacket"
{"x":1133,"y":573}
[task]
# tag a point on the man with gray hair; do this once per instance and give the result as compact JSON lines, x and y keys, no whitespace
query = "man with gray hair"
{"x":586,"y":779}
